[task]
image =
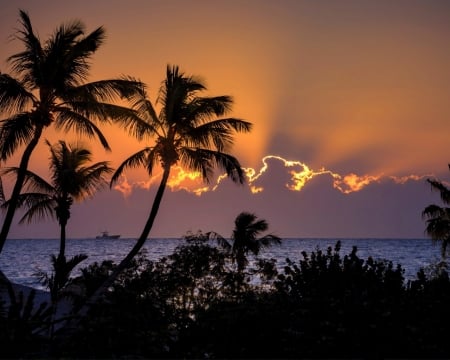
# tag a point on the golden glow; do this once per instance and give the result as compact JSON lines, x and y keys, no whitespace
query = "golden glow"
{"x":299,"y":175}
{"x":352,"y":182}
{"x":123,"y":186}
{"x":184,"y":180}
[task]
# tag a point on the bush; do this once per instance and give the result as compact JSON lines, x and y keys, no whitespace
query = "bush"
{"x":187,"y":305}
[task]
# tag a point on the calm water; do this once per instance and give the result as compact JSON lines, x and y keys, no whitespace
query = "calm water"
{"x":20,"y":259}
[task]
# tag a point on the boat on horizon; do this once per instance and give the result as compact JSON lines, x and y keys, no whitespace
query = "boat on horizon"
{"x":105,"y":235}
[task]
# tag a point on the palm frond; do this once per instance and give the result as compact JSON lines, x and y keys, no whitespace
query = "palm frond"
{"x":141,"y":103}
{"x":135,"y":125}
{"x":81,"y":51}
{"x":205,"y":161}
{"x":14,"y":132}
{"x":134,"y":161}
{"x":197,"y":160}
{"x":221,"y":241}
{"x":205,"y":108}
{"x":70,"y":175}
{"x":225,"y":162}
{"x":73,"y":262}
{"x":176,"y":91}
{"x":435,"y":211}
{"x":62,"y":68}
{"x":441,"y":188}
{"x":110,"y":90}
{"x":14,"y":96}
{"x":40,"y":206}
{"x":258,"y":226}
{"x":91,"y":179}
{"x":32,"y":182}
{"x":438,"y":228}
{"x":269,"y":240}
{"x":218,"y":133}
{"x":72,"y":121}
{"x":28,"y":61}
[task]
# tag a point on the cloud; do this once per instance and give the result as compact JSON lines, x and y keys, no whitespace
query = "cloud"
{"x":296,"y":200}
{"x":274,"y":171}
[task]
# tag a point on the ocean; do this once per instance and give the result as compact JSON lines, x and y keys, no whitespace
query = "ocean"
{"x":21,"y":259}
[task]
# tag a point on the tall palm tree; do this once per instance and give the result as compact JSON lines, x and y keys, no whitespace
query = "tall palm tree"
{"x":245,"y":239}
{"x":72,"y":178}
{"x":188,"y":132}
{"x":438,"y":218}
{"x":47,"y":86}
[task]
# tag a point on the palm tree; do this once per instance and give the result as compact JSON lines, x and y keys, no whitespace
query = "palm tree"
{"x":188,"y":133}
{"x":438,"y":218}
{"x":71,"y":179}
{"x":47,"y":87}
{"x":245,"y":239}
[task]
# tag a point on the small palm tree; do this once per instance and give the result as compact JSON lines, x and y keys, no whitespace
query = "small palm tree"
{"x":60,"y":276}
{"x":47,"y":86}
{"x":245,"y":239}
{"x":71,"y":179}
{"x":438,"y":218}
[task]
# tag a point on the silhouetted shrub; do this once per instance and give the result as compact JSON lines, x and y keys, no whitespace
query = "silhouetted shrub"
{"x":187,"y":305}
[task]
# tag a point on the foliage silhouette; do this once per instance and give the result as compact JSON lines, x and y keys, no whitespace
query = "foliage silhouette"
{"x":438,"y":218}
{"x":188,"y":133}
{"x":320,"y":306}
{"x":20,"y":320}
{"x":245,"y":238}
{"x":152,"y":303}
{"x":47,"y":87}
{"x":72,"y":178}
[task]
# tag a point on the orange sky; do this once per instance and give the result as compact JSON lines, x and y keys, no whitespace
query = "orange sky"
{"x":353,"y":88}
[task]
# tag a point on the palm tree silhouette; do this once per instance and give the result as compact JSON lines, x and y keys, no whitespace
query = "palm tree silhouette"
{"x":188,"y":133}
{"x":438,"y":218}
{"x":71,"y":179}
{"x":245,"y":239}
{"x":47,"y":87}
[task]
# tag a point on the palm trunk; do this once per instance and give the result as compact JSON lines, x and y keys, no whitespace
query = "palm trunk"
{"x":18,"y":187}
{"x":125,"y":263}
{"x":62,"y":239}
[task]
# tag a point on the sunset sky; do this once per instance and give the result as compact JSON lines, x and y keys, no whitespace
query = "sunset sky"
{"x":350,"y":102}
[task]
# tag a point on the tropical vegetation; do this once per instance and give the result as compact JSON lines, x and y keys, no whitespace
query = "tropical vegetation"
{"x":245,"y":238}
{"x":47,"y":87}
{"x":73,"y":178}
{"x":324,"y":305}
{"x":189,"y":131}
{"x":438,"y":217}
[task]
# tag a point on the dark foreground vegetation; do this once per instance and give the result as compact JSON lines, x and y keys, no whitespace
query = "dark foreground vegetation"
{"x":196,"y":303}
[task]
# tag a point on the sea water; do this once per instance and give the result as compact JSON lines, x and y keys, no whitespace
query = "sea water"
{"x":21,"y":259}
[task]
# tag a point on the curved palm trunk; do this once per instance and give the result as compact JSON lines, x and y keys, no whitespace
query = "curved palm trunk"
{"x":133,"y":252}
{"x":18,"y":186}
